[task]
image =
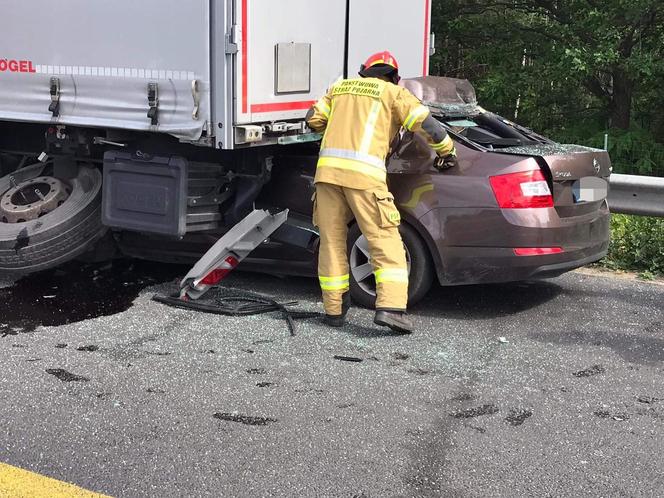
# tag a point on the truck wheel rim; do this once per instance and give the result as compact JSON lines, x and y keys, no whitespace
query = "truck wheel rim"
{"x":360,"y":265}
{"x":33,"y":199}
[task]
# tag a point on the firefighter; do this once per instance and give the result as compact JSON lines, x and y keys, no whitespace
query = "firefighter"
{"x":359,"y":118}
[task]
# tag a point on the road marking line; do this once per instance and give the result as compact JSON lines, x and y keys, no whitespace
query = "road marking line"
{"x":19,"y":483}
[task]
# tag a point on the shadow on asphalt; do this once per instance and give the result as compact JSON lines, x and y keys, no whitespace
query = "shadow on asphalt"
{"x":369,"y":333}
{"x":469,"y":302}
{"x":632,"y":348}
{"x":625,"y":295}
{"x":486,"y":301}
{"x":77,"y":291}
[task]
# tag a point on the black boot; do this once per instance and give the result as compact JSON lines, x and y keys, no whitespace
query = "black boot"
{"x":395,"y":320}
{"x":339,"y":320}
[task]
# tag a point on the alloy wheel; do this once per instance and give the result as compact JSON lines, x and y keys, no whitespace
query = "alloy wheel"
{"x":360,"y":265}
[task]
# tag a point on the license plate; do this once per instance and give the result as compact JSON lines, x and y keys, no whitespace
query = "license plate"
{"x":590,"y":189}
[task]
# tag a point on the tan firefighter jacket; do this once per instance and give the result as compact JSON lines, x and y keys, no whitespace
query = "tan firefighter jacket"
{"x":360,"y":117}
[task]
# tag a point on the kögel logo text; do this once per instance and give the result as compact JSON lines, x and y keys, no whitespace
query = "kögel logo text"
{"x":16,"y":66}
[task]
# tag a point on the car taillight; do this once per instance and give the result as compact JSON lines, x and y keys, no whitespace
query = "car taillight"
{"x":218,"y":274}
{"x":527,"y":189}
{"x":537,"y":251}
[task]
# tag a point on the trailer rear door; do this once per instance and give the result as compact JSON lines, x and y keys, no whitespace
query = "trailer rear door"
{"x":401,"y":27}
{"x":290,"y":52}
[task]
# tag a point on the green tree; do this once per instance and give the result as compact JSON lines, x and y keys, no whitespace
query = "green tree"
{"x":555,"y":62}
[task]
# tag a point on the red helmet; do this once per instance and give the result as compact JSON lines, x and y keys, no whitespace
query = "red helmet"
{"x":379,"y":65}
{"x":385,"y":58}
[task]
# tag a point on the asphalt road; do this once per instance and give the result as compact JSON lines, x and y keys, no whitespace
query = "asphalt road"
{"x":166,"y":402}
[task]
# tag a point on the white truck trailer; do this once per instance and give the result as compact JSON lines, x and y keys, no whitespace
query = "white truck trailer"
{"x":164,"y":116}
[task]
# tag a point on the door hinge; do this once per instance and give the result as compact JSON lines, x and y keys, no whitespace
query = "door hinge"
{"x":195,"y":93}
{"x":153,"y":102}
{"x":232,"y":40}
{"x":54,"y":108}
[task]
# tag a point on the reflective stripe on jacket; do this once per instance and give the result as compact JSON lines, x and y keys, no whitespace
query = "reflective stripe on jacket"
{"x":360,"y":117}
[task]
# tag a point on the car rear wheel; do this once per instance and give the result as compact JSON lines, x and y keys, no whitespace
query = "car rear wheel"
{"x":46,"y":221}
{"x":362,"y":282}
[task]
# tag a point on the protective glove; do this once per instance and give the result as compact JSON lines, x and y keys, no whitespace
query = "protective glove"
{"x":442,"y":163}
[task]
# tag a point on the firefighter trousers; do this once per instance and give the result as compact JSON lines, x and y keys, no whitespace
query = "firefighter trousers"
{"x":378,"y":220}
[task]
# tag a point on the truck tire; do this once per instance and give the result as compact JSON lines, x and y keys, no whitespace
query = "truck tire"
{"x":420,"y":266}
{"x":56,"y":236}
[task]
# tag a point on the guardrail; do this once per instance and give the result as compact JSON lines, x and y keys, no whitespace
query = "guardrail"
{"x":640,"y":195}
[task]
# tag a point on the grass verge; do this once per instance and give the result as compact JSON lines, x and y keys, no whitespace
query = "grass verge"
{"x":637,"y":244}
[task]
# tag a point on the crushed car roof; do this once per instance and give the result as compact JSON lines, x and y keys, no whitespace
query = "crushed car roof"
{"x":449,"y":96}
{"x":438,"y":90}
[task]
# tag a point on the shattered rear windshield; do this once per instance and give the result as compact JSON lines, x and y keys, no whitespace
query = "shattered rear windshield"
{"x":484,"y":128}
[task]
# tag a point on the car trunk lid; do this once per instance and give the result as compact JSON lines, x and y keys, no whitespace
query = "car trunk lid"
{"x":578,"y":175}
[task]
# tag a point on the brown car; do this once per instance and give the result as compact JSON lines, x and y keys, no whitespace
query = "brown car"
{"x":519,"y":206}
